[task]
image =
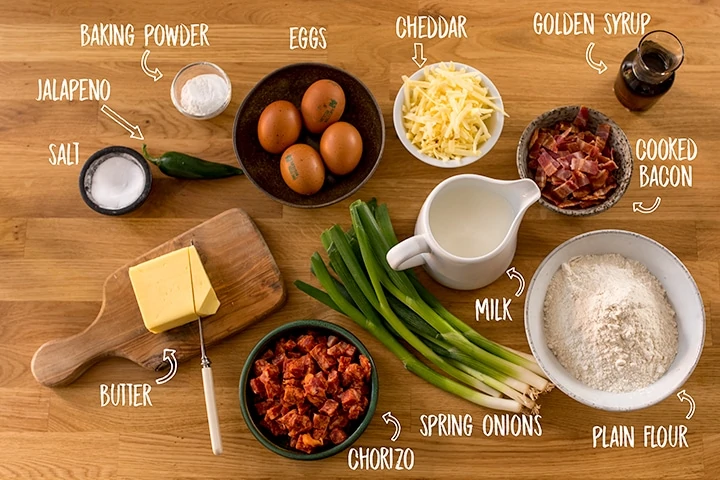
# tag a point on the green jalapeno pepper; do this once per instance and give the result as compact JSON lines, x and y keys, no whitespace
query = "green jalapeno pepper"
{"x":180,"y":165}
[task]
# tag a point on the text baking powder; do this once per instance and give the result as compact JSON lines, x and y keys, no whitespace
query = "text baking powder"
{"x":609,"y":323}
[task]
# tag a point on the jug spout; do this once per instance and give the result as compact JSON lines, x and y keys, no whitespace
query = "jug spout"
{"x":525,"y":192}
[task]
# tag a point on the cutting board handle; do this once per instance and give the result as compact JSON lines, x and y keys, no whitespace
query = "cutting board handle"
{"x":60,"y":362}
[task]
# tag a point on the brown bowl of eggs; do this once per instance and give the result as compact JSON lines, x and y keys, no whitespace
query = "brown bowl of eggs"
{"x":309,"y":135}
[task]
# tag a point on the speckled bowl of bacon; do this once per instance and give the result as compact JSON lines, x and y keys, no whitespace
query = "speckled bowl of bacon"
{"x":579,"y":157}
{"x":308,"y":390}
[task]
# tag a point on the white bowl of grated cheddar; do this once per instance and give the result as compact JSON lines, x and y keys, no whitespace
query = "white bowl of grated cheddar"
{"x":484,"y":125}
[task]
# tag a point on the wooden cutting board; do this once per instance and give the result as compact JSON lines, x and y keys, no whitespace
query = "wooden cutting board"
{"x":241,"y":270}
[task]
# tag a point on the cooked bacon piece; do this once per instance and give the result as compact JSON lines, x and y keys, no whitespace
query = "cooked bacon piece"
{"x":540,"y":178}
{"x":330,"y":407}
{"x":601,"y":135}
{"x":582,"y":192}
{"x":582,"y":117}
{"x":569,"y":203}
{"x":337,"y":436}
{"x":548,"y":142}
{"x":580,"y":179}
{"x":585,"y":165}
{"x":548,"y":163}
{"x":599,"y":180}
{"x":588,"y":149}
{"x":565,"y":189}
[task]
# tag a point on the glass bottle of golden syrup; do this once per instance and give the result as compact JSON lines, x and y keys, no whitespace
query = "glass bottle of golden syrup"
{"x":648,"y":72}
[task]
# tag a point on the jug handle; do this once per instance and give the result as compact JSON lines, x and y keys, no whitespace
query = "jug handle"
{"x":408,"y":253}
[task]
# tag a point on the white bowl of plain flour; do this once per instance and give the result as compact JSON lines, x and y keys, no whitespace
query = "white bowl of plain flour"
{"x":615,"y":320}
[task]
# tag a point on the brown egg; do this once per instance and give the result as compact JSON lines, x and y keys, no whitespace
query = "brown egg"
{"x":322,"y":105}
{"x":341,"y":148}
{"x":302,"y":169}
{"x":279,"y":126}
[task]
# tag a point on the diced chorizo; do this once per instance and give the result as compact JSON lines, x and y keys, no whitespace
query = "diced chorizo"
{"x":262,"y":407}
{"x":317,"y":400}
{"x":332,"y":340}
{"x":320,"y":355}
{"x":258,"y":366}
{"x":333,"y":382}
{"x":365,"y":366}
{"x":353,"y":375}
{"x":315,"y":385}
{"x":355,"y":411}
{"x":293,"y":395}
{"x":273,"y":412}
{"x":337,"y":436}
{"x":343,"y":363}
{"x":267,"y":355}
{"x":340,"y":421}
{"x":258,"y":387}
{"x":306,"y":443}
{"x":294,"y":368}
{"x":273,"y":390}
{"x":330,"y":407}
{"x":306,"y":343}
{"x":349,"y":397}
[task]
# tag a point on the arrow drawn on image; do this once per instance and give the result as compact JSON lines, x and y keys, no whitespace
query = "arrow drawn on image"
{"x":638,"y":206}
{"x":388,"y":418}
{"x":514,"y":274}
{"x":419,"y":57}
{"x":685,"y":397}
{"x":168,"y":356}
{"x":600,"y":67}
{"x":134,"y":130}
{"x":154,"y":74}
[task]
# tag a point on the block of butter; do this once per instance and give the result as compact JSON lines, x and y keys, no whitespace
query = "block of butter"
{"x":173,"y":289}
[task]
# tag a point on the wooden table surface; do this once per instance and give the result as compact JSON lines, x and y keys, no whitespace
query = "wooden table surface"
{"x":55,"y":252}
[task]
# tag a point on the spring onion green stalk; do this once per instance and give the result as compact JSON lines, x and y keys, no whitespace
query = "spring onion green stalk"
{"x":395,"y":307}
{"x":399,"y":285}
{"x":382,"y":217}
{"x":410,"y":362}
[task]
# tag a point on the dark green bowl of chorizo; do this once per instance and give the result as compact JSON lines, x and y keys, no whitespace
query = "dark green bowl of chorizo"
{"x":267,"y":408}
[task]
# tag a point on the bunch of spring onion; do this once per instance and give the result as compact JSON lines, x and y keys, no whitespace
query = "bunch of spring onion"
{"x":399,"y":311}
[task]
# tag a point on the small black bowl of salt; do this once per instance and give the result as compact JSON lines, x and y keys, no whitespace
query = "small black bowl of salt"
{"x":115,"y":180}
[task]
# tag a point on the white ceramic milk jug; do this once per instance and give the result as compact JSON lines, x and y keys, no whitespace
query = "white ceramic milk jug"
{"x":466,"y":232}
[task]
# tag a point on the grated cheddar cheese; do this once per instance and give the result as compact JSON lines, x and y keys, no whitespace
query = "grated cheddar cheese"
{"x":445,"y":114}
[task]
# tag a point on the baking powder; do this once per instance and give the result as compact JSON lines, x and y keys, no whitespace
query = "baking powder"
{"x":204,"y":95}
{"x":609,"y":323}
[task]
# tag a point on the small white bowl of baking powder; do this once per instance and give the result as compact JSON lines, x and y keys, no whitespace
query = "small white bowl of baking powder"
{"x":201,"y":90}
{"x":681,"y":294}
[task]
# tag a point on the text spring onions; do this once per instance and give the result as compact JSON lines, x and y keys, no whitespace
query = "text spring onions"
{"x":445,"y":114}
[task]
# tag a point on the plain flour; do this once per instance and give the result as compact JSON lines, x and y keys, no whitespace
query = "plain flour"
{"x":609,"y":323}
